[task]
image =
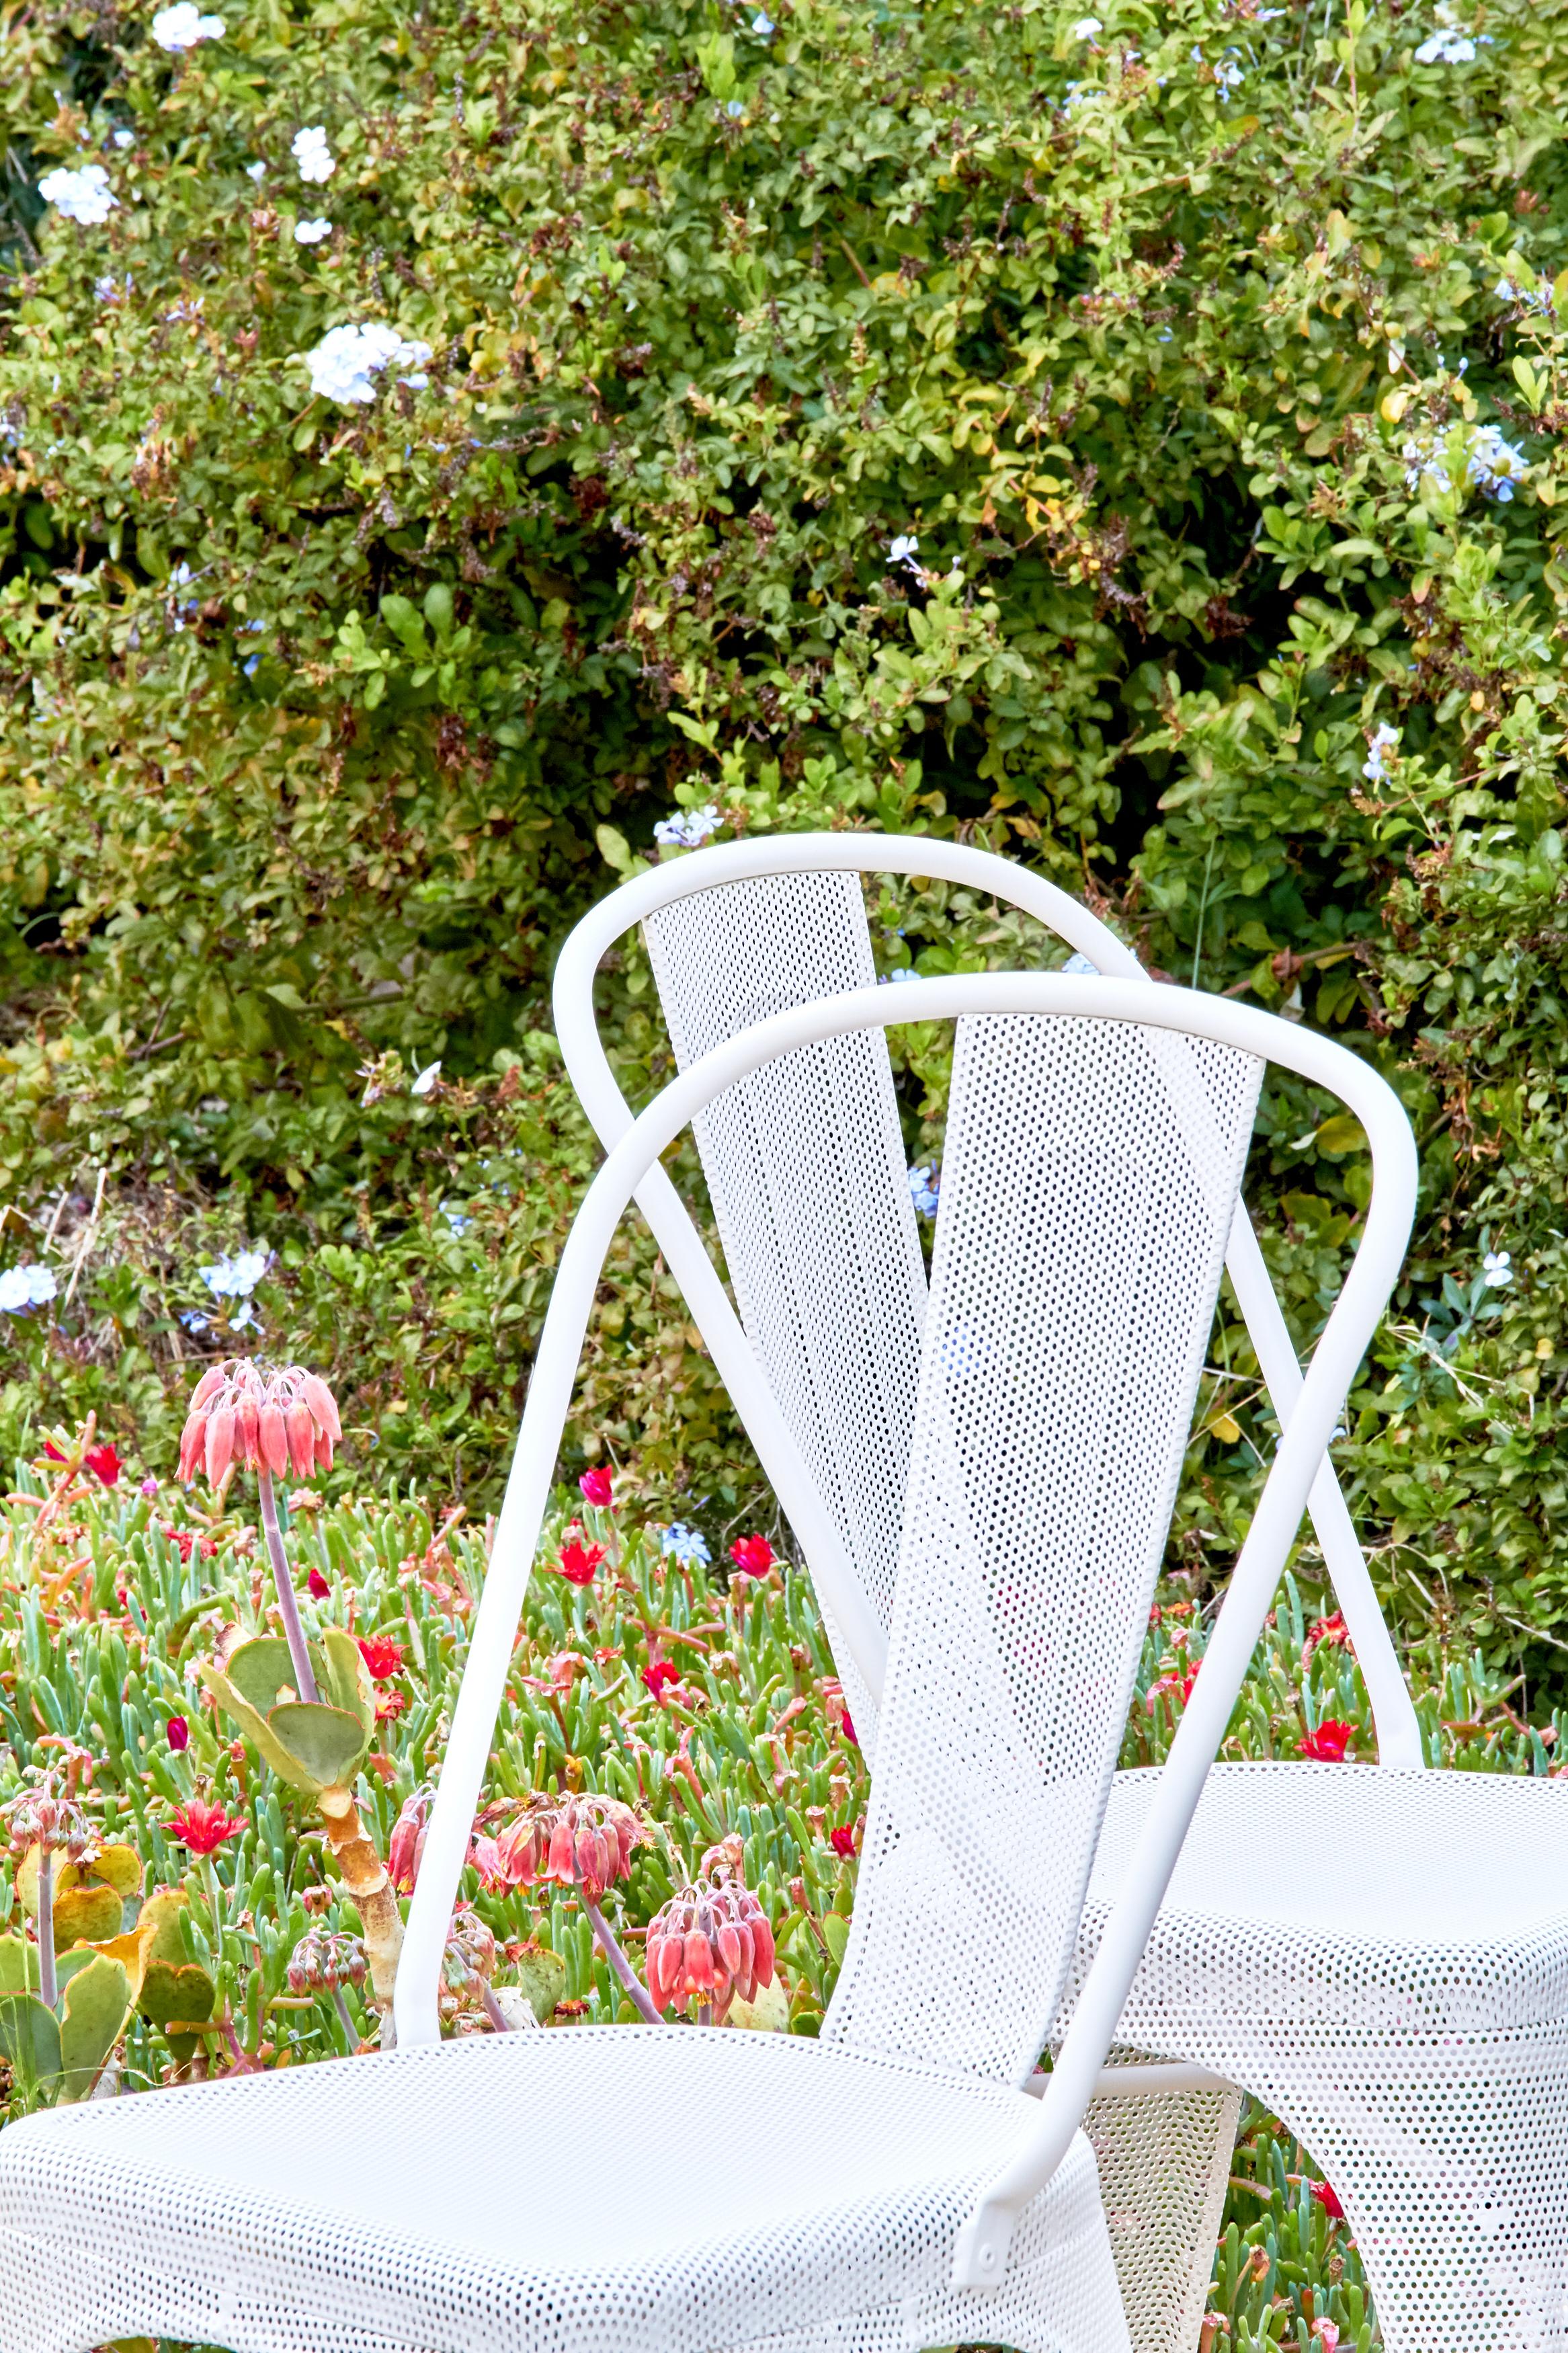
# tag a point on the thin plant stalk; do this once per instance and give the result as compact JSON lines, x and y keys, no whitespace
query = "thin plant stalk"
{"x":636,"y":1991}
{"x":48,"y":1983}
{"x":304,"y":1680}
{"x":350,"y":2029}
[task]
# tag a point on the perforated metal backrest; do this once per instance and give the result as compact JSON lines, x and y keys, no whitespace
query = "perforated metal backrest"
{"x":1089,"y":1176}
{"x":805,"y":1168}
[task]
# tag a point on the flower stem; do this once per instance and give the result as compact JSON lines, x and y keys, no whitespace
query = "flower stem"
{"x":48,"y":1985}
{"x":365,"y":1876}
{"x":350,"y":2029}
{"x":637,"y":1993}
{"x":304,"y":1680}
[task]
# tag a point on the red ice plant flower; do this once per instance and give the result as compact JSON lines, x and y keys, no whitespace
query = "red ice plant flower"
{"x":597,"y":1489}
{"x":1327,"y":2198}
{"x":179,"y":1733}
{"x":104,"y":1463}
{"x":752,"y":1556}
{"x":842,"y":1839}
{"x":709,"y":1944}
{"x":1328,"y":1633}
{"x":203,"y":1828}
{"x":658,"y":1675}
{"x":578,"y":1561}
{"x":406,"y":1848}
{"x":1173,"y":1687}
{"x":316,"y":1586}
{"x":1329,"y":1743}
{"x":383,"y":1656}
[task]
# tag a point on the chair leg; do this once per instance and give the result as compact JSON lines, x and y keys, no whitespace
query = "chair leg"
{"x":1164,"y":2159}
{"x":1450,"y":2164}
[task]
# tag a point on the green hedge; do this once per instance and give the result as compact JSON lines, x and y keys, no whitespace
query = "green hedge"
{"x":1213,"y":356}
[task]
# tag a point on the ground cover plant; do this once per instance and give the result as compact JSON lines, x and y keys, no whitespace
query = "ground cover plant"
{"x":686,"y":1694}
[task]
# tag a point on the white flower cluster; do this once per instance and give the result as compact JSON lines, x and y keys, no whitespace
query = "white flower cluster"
{"x":686,"y":829}
{"x":82,"y":196}
{"x":311,"y":232}
{"x":26,"y":1287}
{"x":345,"y":361}
{"x":184,"y":27}
{"x":1375,"y":767}
{"x":312,"y":154}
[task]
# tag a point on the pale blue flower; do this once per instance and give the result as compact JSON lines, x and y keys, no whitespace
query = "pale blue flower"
{"x":311,"y":232}
{"x":903,"y":549}
{"x":235,"y":1275}
{"x":25,"y":1287}
{"x":686,"y":829}
{"x":423,"y":1081}
{"x":82,"y":196}
{"x":1446,"y":48}
{"x":1386,"y":740}
{"x":764,"y":26}
{"x":1497,"y":1269}
{"x":686,"y":1546}
{"x":925,"y":1183}
{"x":183,"y":27}
{"x":312,"y":154}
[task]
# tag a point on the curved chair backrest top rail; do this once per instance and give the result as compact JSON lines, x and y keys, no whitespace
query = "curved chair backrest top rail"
{"x":837,"y":1421}
{"x":952,"y":1723}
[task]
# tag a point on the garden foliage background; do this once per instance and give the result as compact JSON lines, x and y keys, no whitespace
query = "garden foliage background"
{"x":1211,"y":355}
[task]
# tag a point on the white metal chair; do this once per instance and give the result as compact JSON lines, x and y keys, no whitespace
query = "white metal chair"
{"x":888,"y":2187}
{"x":1412,"y":2038}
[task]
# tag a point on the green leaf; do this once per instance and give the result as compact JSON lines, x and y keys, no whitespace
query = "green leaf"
{"x":29,"y":2040}
{"x":1340,"y":1133}
{"x":324,"y":1744}
{"x":96,"y":2007}
{"x":18,"y":1966}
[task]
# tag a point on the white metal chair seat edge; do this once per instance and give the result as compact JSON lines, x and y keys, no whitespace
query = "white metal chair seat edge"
{"x":198,"y":2224}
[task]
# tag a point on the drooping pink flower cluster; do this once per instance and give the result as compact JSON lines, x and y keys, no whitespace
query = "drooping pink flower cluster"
{"x":406,"y":1848}
{"x":586,"y":1843}
{"x":54,"y":1824}
{"x":324,"y":1960}
{"x":709,"y":1944}
{"x":270,"y":1417}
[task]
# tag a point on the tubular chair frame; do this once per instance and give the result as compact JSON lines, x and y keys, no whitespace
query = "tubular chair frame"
{"x":981,"y":2254}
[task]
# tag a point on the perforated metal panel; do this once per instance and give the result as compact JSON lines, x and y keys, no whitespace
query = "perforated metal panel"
{"x":1164,"y":2162}
{"x":619,"y":2189}
{"x":805,"y":1168}
{"x":1382,"y":1957}
{"x":1087,"y":1194}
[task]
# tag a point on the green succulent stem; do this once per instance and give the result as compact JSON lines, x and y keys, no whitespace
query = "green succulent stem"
{"x":609,"y":1945}
{"x":304,"y":1679}
{"x":48,"y":1984}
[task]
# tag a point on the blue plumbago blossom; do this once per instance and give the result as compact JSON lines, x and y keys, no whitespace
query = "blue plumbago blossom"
{"x":764,"y":26}
{"x":195,"y":1321}
{"x":311,"y":232}
{"x":1529,"y":298}
{"x":925,"y":1183}
{"x":23,"y":1288}
{"x":311,"y":153}
{"x":902,"y":550}
{"x":1446,"y":47}
{"x":1086,"y":29}
{"x":82,"y":196}
{"x":1492,"y":465}
{"x":423,"y":1081}
{"x":184,"y":27}
{"x":687,"y":1546}
{"x":1497,"y":1269}
{"x":687,"y":828}
{"x":457,"y":1219}
{"x":899,"y":972}
{"x":235,"y":1274}
{"x":1384,"y":740}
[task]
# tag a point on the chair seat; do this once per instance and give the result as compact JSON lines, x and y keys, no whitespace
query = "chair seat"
{"x":672,"y":2189}
{"x":1368,"y":1908}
